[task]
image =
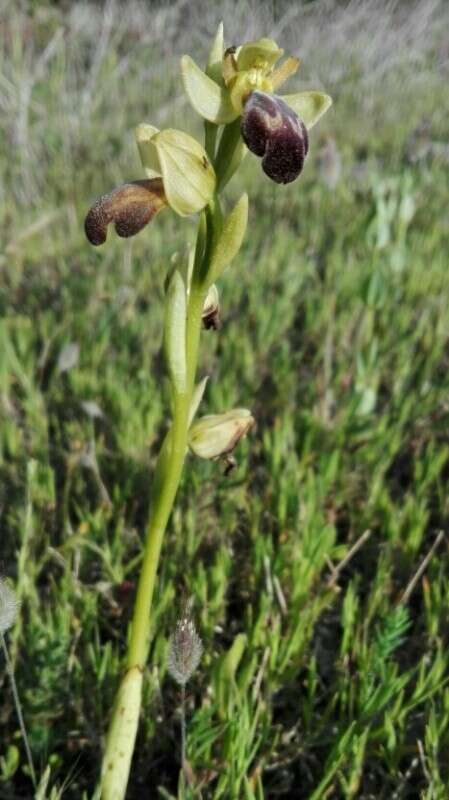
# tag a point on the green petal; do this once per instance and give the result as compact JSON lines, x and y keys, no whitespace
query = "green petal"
{"x":207,"y":98}
{"x":264,"y":51}
{"x":147,"y":151}
{"x":214,"y":67}
{"x":187,"y":174}
{"x":309,"y":106}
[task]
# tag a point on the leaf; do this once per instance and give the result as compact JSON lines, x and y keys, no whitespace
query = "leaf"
{"x":209,"y":100}
{"x":229,"y":240}
{"x":175,"y":332}
{"x":231,"y":152}
{"x":196,"y":398}
{"x":309,"y":106}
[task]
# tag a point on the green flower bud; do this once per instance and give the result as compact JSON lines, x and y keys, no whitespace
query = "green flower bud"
{"x":217,"y":435}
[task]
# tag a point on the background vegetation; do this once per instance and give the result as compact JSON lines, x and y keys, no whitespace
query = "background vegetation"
{"x":325,"y":670}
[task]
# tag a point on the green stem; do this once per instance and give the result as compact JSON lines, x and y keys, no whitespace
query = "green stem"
{"x":140,"y":626}
{"x":124,"y":721}
{"x":140,"y":631}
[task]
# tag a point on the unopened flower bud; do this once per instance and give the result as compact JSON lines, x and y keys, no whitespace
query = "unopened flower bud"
{"x":130,"y":207}
{"x":185,"y":651}
{"x":211,"y":310}
{"x":273,"y":131}
{"x":217,"y":435}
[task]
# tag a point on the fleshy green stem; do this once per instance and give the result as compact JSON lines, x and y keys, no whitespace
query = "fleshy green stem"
{"x":125,"y":716}
{"x":123,"y":726}
{"x":140,"y":631}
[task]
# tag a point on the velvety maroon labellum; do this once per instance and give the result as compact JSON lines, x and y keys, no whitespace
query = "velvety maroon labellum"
{"x":272,"y":130}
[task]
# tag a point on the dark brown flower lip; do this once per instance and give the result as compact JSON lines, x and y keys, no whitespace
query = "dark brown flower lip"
{"x":130,"y":207}
{"x":274,"y":132}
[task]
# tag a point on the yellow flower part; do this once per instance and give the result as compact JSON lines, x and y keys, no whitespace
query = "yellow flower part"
{"x":245,"y":69}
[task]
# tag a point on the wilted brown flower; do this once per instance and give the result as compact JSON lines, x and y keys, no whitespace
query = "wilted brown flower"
{"x":130,"y":206}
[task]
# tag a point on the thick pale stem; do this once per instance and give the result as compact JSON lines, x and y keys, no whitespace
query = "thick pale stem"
{"x":125,"y":717}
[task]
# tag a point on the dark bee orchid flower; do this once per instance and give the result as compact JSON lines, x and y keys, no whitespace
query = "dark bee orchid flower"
{"x":272,"y":130}
{"x":242,"y":81}
{"x":179,"y":175}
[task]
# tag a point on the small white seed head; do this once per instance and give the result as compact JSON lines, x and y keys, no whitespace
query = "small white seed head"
{"x":9,"y":606}
{"x":185,"y":651}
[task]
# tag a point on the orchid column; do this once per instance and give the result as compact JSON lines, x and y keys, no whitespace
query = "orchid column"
{"x":235,"y":96}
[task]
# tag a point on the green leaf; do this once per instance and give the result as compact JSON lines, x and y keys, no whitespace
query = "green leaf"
{"x":209,"y":100}
{"x":175,"y":332}
{"x":196,"y":398}
{"x":229,"y":239}
{"x":309,"y":106}
{"x":231,"y":152}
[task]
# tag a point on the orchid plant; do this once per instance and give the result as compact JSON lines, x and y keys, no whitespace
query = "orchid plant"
{"x":235,"y":96}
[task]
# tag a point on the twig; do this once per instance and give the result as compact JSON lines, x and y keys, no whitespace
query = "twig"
{"x":349,"y":555}
{"x":10,"y":670}
{"x":421,"y":569}
{"x":260,"y":674}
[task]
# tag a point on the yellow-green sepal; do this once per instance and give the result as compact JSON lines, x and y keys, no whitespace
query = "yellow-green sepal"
{"x":309,"y":106}
{"x":229,"y":239}
{"x":214,"y":68}
{"x":261,"y":53}
{"x":187,"y":174}
{"x":148,"y":154}
{"x":209,"y":100}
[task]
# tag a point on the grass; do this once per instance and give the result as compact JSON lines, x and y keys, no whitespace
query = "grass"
{"x":325,"y":670}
